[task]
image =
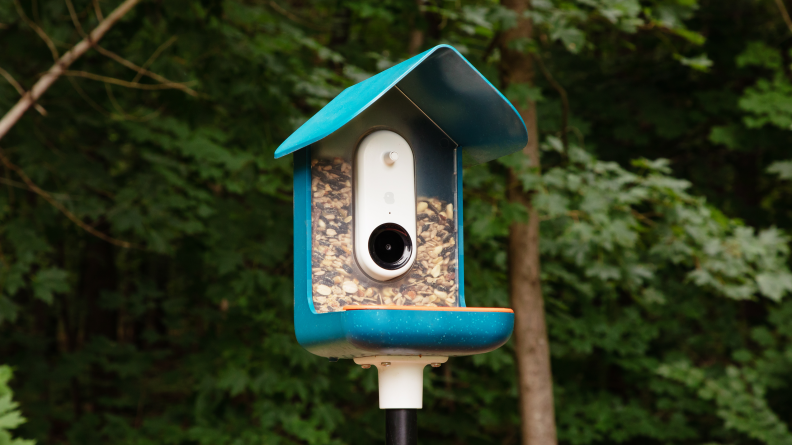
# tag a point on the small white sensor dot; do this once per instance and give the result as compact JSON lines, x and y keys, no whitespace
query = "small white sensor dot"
{"x":391,"y":157}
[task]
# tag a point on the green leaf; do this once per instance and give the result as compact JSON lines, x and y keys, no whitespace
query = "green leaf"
{"x":768,"y":102}
{"x":781,"y":168}
{"x":758,"y":53}
{"x":774,"y":285}
{"x":10,"y":417}
{"x":699,"y":63}
{"x":48,"y":281}
{"x":521,"y":94}
{"x":727,"y":135}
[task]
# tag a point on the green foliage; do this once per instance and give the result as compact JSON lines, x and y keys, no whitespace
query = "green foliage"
{"x":770,"y":100}
{"x":571,"y":22}
{"x":740,"y":400}
{"x":10,"y":417}
{"x":620,"y":249}
{"x":781,"y":168}
{"x":665,"y":254}
{"x":741,"y":392}
{"x":600,"y":210}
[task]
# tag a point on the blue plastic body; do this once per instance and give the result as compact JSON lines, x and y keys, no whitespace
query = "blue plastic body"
{"x":443,"y":84}
{"x":485,"y":126}
{"x":362,"y":333}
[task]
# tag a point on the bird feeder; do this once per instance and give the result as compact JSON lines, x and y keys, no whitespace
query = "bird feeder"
{"x":378,"y":246}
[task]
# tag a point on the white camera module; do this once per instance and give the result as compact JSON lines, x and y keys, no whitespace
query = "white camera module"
{"x":385,"y":208}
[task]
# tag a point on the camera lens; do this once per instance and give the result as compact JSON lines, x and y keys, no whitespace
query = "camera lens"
{"x":390,"y":246}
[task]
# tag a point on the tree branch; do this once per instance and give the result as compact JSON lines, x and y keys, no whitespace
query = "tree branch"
{"x":12,"y":81}
{"x":48,"y":197}
{"x":564,"y":100}
{"x":142,"y":71}
{"x":16,"y":184}
{"x":125,"y":62}
{"x":784,"y":13}
{"x":3,"y":258}
{"x":295,"y":18}
{"x":98,"y":10}
{"x":60,"y":66}
{"x":154,"y":56}
{"x":38,"y":31}
{"x":123,"y":114}
{"x":124,"y":83}
{"x":20,"y":90}
{"x":87,"y":98}
{"x":74,"y":18}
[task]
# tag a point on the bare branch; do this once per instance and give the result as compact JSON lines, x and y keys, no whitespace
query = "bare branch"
{"x":124,"y":83}
{"x":12,"y":183}
{"x":293,"y":17}
{"x":23,"y":186}
{"x":60,"y":66}
{"x":564,"y":99}
{"x":48,"y":197}
{"x":122,"y":60}
{"x":141,"y":70}
{"x":113,"y":100}
{"x":98,"y":10}
{"x":20,"y":90}
{"x":8,"y":187}
{"x":154,"y":56}
{"x":75,"y":19}
{"x":12,"y":81}
{"x":3,"y":258}
{"x":784,"y":13}
{"x":35,"y":11}
{"x":38,"y":31}
{"x":107,"y":113}
{"x":87,"y":98}
{"x":123,"y":114}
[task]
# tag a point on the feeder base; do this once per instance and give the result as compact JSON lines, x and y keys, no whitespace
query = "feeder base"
{"x":400,"y":379}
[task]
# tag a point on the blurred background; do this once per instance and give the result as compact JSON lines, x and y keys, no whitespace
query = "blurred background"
{"x":145,"y":228}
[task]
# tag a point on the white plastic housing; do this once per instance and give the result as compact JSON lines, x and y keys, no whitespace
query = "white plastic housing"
{"x":384,"y":193}
{"x":401,"y":380}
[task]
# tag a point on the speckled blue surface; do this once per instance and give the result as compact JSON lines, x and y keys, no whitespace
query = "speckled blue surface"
{"x":395,"y":332}
{"x":363,"y":333}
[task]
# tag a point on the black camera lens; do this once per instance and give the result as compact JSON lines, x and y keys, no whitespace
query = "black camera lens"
{"x":390,"y":246}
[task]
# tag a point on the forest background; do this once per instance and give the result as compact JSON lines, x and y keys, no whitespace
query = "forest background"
{"x":145,"y":228}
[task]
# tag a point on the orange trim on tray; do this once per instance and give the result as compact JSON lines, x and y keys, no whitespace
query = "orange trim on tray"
{"x":425,"y":308}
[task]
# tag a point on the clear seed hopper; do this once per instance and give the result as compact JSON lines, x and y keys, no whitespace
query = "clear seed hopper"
{"x":379,"y":258}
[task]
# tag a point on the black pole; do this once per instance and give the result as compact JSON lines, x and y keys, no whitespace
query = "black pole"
{"x":401,"y":427}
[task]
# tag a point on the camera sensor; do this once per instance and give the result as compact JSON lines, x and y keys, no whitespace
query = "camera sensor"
{"x":390,"y":246}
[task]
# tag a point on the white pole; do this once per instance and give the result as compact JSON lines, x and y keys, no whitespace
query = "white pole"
{"x":400,"y":379}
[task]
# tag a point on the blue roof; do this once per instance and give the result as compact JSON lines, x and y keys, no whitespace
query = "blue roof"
{"x":445,"y":86}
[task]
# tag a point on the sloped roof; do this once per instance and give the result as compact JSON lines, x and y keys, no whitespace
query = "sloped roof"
{"x":443,"y":84}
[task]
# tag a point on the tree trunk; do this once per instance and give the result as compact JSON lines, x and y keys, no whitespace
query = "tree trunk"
{"x":416,"y":32}
{"x":530,"y":330}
